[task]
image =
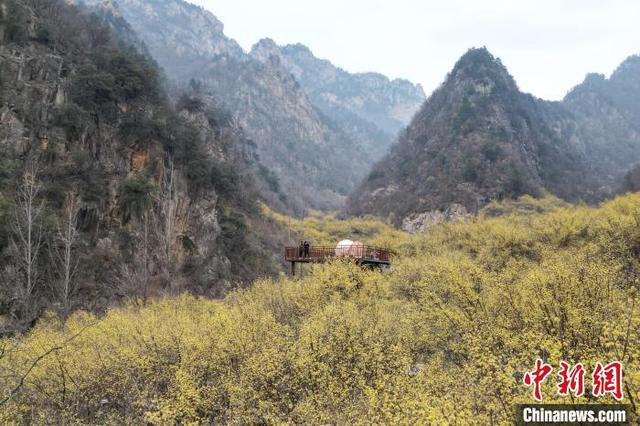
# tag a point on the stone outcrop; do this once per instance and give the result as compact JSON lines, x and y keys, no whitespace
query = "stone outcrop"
{"x":421,"y":222}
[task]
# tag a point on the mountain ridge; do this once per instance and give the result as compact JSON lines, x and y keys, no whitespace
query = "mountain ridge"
{"x":315,"y":156}
{"x":326,"y":83}
{"x":476,"y":139}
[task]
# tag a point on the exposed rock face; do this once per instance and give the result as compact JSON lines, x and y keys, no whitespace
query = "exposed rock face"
{"x":177,"y":32}
{"x":370,"y":103}
{"x":33,"y":84}
{"x":311,"y":159}
{"x":476,"y":139}
{"x":421,"y":222}
{"x":161,"y":199}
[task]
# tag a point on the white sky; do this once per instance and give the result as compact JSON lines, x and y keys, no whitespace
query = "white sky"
{"x":547,"y":45}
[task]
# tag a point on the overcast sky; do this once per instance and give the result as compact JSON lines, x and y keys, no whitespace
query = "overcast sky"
{"x":547,"y":45}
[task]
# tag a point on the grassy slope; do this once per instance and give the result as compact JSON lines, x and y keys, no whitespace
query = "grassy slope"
{"x":444,"y":337}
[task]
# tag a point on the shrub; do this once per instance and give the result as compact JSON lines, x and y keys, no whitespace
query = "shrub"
{"x":270,"y":178}
{"x":43,"y":35}
{"x":14,"y":21}
{"x":72,"y":119}
{"x":480,"y":299}
{"x":491,"y":151}
{"x":135,"y":197}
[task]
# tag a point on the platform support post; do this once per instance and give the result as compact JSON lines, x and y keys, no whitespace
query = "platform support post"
{"x":293,"y":269}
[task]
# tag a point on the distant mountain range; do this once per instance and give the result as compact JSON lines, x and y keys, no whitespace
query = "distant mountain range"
{"x":322,"y":134}
{"x":371,"y":97}
{"x":317,"y":128}
{"x":478,"y":139}
{"x":607,"y":114}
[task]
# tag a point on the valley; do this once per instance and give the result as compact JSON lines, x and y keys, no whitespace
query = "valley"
{"x":152,"y":172}
{"x":474,"y":300}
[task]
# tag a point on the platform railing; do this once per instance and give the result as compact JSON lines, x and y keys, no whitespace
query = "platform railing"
{"x":323,"y":253}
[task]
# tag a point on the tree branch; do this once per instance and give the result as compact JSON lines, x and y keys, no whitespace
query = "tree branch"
{"x":35,"y":362}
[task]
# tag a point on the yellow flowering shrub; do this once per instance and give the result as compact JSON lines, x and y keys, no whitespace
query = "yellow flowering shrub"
{"x":443,"y":338}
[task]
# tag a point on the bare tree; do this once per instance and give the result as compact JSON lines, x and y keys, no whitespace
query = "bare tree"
{"x":133,"y":280}
{"x":145,"y":257}
{"x":64,"y":259}
{"x":166,"y":221}
{"x":168,"y":210}
{"x":156,"y":252}
{"x":28,"y":236}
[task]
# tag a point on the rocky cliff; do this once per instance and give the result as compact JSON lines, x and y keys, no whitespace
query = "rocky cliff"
{"x":310,"y":158}
{"x":150,"y":193}
{"x":372,"y":107}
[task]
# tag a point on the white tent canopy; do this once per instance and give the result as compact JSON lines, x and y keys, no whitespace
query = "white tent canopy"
{"x":349,"y":248}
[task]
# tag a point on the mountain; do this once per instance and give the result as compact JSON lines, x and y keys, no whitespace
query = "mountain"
{"x":315,"y":162}
{"x":476,"y":139}
{"x":177,"y":33}
{"x":108,"y":189}
{"x":310,"y":159}
{"x":370,"y":104}
{"x":607,"y":113}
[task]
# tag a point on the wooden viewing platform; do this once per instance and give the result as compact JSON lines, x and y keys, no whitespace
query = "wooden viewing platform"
{"x":361,"y":254}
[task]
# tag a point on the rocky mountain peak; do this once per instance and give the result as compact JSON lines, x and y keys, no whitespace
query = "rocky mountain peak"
{"x":628,"y":72}
{"x":102,"y":5}
{"x":298,"y":47}
{"x":474,"y":57}
{"x":264,"y":49}
{"x":478,"y":67}
{"x":477,"y":139}
{"x":177,"y":9}
{"x":370,"y":98}
{"x":594,"y":80}
{"x":176,"y":30}
{"x":592,"y":86}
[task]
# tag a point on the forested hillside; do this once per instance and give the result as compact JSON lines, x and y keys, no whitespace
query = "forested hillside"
{"x":478,"y":139}
{"x":313,"y":156}
{"x":369,"y":107}
{"x":445,"y":337}
{"x":607,"y":112}
{"x":107,"y":189}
